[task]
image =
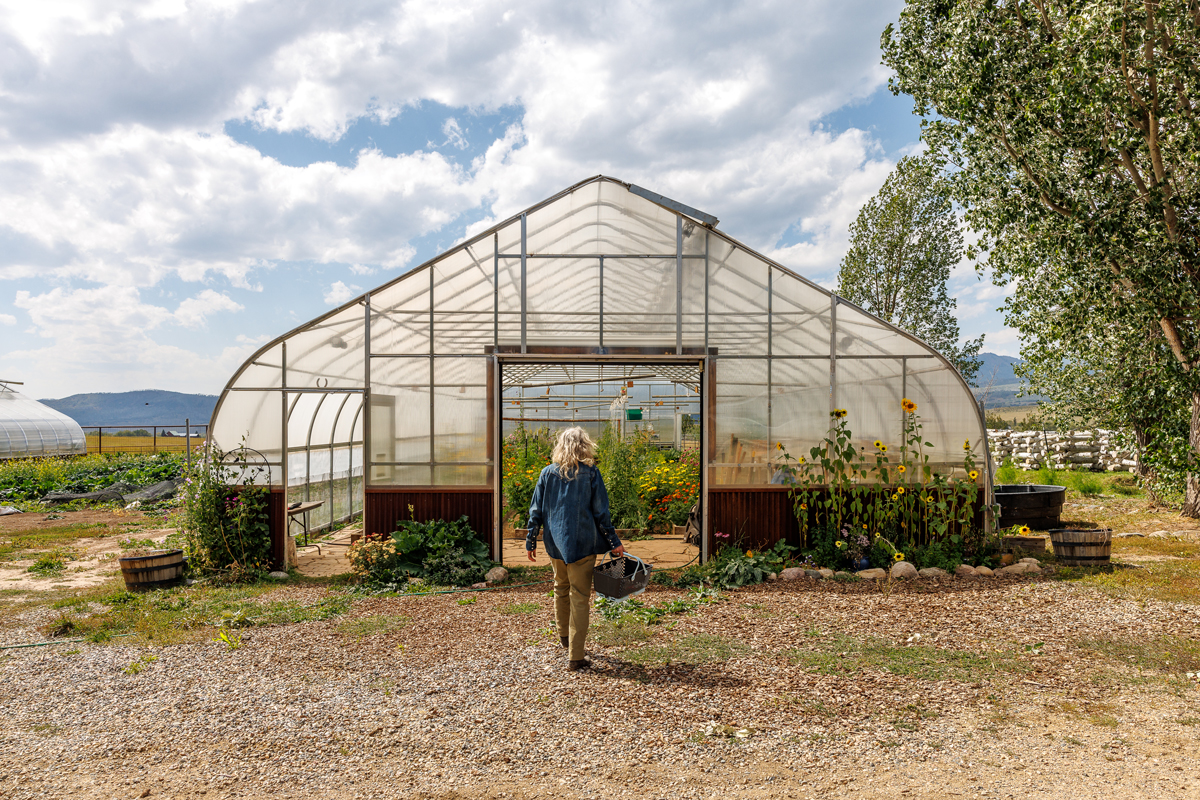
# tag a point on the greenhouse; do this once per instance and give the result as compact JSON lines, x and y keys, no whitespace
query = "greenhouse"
{"x":607,"y":306}
{"x":29,"y":428}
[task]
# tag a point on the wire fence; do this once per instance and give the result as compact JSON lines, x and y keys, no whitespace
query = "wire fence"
{"x":144,"y":438}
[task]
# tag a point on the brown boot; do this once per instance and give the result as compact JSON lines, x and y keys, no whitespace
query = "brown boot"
{"x":575,"y":666}
{"x":565,"y":640}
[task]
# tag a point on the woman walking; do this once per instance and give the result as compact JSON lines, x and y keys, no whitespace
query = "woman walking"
{"x":570,"y":501}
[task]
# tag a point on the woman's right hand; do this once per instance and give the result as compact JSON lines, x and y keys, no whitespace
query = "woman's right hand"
{"x":619,"y":550}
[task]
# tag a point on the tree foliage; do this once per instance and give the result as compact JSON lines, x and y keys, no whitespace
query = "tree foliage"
{"x":1072,"y":124}
{"x":903,"y":245}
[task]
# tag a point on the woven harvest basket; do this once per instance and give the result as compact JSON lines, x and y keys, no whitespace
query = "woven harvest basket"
{"x":619,"y":578}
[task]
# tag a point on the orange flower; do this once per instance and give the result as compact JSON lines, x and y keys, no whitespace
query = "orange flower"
{"x":908,"y":405}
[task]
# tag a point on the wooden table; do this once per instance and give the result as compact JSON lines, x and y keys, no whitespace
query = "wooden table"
{"x":303,"y":508}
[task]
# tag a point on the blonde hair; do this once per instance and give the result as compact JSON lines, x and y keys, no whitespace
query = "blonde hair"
{"x":574,"y":447}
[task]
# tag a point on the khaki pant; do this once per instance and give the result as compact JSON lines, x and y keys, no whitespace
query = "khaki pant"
{"x":573,"y":600}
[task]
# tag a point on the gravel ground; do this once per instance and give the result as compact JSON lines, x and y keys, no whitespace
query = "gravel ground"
{"x":461,"y":701}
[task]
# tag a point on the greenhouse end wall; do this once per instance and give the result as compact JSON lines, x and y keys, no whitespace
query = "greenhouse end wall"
{"x":397,"y":394}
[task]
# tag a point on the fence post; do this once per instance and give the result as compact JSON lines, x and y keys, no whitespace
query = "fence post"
{"x":100,"y":440}
{"x":187,"y":425}
{"x":154,"y":433}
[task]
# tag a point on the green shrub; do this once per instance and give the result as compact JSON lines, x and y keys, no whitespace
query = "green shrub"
{"x":1007,"y":473}
{"x":733,"y":568}
{"x":945,"y":555}
{"x":33,"y":478}
{"x":525,"y":454}
{"x":1046,"y":475}
{"x":453,"y":568}
{"x":225,"y":519}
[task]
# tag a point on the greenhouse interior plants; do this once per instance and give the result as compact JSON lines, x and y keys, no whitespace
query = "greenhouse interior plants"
{"x":607,"y":306}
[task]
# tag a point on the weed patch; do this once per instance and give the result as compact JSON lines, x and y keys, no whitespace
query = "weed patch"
{"x":625,"y":632}
{"x":49,"y":565}
{"x":700,"y":648}
{"x":837,"y":654}
{"x":520,"y":608}
{"x":373,"y":625}
{"x":1167,"y":654}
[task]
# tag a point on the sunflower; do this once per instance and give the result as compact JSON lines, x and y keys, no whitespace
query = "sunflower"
{"x":908,"y":405}
{"x":972,"y":474}
{"x":928,"y":498}
{"x":779,"y":445}
{"x":902,"y":469}
{"x":883,"y":448}
{"x":894,"y":497}
{"x":1024,"y":531}
{"x":967,"y":445}
{"x":878,"y":444}
{"x":840,"y":544}
{"x":864,"y":526}
{"x":838,"y":413}
{"x":899,"y":490}
{"x":897,"y":556}
{"x":804,"y":506}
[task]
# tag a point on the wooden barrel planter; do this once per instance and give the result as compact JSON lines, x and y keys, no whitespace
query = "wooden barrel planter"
{"x":1039,"y":507}
{"x":152,"y":570}
{"x":1082,"y":547}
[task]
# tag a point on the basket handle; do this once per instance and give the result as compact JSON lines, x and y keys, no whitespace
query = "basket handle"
{"x":641,"y":564}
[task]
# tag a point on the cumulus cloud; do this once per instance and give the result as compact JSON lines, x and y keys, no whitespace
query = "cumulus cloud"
{"x":116,"y":171}
{"x":339,"y":293}
{"x":7,"y":319}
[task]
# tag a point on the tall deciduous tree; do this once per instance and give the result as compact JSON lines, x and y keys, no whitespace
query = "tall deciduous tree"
{"x":902,"y":247}
{"x":1074,"y":126}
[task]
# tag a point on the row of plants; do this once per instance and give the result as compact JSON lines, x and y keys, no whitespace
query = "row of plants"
{"x":29,"y":479}
{"x":858,"y":507}
{"x":648,"y":488}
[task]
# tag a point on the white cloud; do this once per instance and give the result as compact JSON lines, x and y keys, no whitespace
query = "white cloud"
{"x":115,"y":170}
{"x":339,"y":293}
{"x":7,"y":319}
{"x":192,"y":313}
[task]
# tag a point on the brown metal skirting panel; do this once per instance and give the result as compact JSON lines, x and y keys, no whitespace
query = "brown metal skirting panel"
{"x":755,"y":517}
{"x":277,"y":519}
{"x":383,"y":507}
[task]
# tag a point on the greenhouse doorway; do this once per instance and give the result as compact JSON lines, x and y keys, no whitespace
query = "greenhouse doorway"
{"x":647,"y":417}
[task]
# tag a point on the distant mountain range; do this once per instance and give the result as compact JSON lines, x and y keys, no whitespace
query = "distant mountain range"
{"x":149,"y":407}
{"x":997,"y":385}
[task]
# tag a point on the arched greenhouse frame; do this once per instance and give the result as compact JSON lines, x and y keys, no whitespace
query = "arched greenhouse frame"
{"x":604,"y":279}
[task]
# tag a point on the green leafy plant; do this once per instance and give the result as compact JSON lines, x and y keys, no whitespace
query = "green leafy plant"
{"x":227,"y":533}
{"x":49,"y":564}
{"x":734,"y":568}
{"x":1007,"y":472}
{"x":437,"y":552}
{"x":525,"y":453}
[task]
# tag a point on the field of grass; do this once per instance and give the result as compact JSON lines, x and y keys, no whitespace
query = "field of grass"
{"x":140,"y":444}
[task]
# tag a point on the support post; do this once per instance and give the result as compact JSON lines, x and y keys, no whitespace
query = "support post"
{"x":366,"y":409}
{"x":833,"y":304}
{"x":678,"y":285}
{"x":601,"y":301}
{"x":524,"y":290}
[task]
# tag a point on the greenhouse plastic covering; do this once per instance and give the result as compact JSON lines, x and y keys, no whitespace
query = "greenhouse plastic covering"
{"x":600,"y":267}
{"x":28,"y":428}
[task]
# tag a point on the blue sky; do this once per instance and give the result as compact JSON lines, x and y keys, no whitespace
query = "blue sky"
{"x":182,"y":181}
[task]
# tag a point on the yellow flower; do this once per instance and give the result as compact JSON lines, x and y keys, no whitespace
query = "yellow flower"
{"x":928,"y":498}
{"x":840,"y":544}
{"x":1024,"y":531}
{"x":779,"y":445}
{"x":883,"y":448}
{"x":864,"y":526}
{"x":840,"y":412}
{"x":878,"y":444}
{"x":894,"y":497}
{"x":804,"y":506}
{"x":749,"y":554}
{"x":899,"y":490}
{"x":800,"y":459}
{"x":967,"y":445}
{"x":902,"y":469}
{"x":652,"y":488}
{"x":908,"y":405}
{"x":973,"y":474}
{"x":898,"y":556}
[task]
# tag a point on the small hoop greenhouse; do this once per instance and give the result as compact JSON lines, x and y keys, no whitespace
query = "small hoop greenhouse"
{"x":603,"y":298}
{"x":29,"y":428}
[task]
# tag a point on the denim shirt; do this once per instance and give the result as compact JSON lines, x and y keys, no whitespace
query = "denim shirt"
{"x":574,"y":513}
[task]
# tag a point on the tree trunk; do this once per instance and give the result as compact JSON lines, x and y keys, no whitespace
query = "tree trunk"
{"x":1191,"y":502}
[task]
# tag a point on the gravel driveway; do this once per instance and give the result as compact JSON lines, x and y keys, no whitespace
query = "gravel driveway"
{"x":776,"y":691}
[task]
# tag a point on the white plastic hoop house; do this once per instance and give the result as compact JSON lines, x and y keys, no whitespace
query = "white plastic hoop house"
{"x":29,"y":428}
{"x":601,"y":275}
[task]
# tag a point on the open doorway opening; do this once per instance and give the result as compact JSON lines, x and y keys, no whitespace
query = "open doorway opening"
{"x":647,"y":421}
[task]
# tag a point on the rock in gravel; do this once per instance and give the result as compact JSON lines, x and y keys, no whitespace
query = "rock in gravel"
{"x":792,"y":574}
{"x":1017,"y":569}
{"x":825,"y":573}
{"x":278,"y":576}
{"x":903,"y":569}
{"x":1131,"y":535}
{"x":933,"y":572}
{"x":843,"y":575}
{"x":480,"y":585}
{"x":772,"y":577}
{"x":965,"y":571}
{"x":496,"y":575}
{"x":984,"y":572}
{"x":815,"y":574}
{"x":1033,"y":561}
{"x":874,"y":574}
